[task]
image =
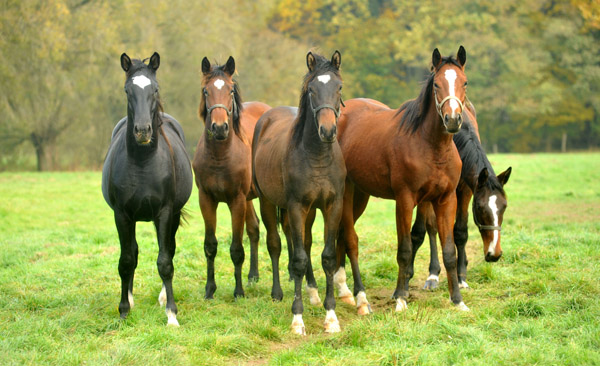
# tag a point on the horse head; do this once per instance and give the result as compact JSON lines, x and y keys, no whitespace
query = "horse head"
{"x":489,"y":204}
{"x":220,"y":104}
{"x":450,"y":88}
{"x":324,"y":90}
{"x":143,"y":100}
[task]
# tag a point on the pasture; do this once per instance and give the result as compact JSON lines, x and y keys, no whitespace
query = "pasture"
{"x":59,"y":284}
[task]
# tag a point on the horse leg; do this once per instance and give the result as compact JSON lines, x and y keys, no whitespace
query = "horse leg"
{"x":311,"y":282}
{"x":331,"y":217}
{"x":404,"y":208}
{"x":236,"y":250}
{"x":285,"y":225}
{"x":445,"y":212}
{"x":422,"y":225}
{"x":162,"y":297}
{"x":461,"y":234}
{"x":268,"y":212}
{"x":166,"y":250}
{"x":252,"y":230}
{"x":127,"y":260}
{"x":208,"y":207}
{"x":297,"y":216}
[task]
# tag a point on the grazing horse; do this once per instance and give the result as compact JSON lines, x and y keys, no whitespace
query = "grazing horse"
{"x":146,"y":177}
{"x":477,"y":180}
{"x":406,"y":155}
{"x":222,"y":165}
{"x":298,"y":167}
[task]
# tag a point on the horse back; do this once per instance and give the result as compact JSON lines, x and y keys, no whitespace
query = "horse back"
{"x":251,"y":112}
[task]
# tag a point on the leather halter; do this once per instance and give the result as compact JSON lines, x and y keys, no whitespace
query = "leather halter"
{"x":438,"y":106}
{"x":483,"y":227}
{"x":229,"y":111}
{"x":323,"y":106}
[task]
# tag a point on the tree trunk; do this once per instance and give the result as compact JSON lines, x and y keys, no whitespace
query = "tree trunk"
{"x":43,"y":160}
{"x":563,"y":145}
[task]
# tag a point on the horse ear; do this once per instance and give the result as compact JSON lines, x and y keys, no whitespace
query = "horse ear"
{"x":230,"y":66}
{"x":311,"y":62}
{"x":483,"y":177}
{"x":503,"y":177}
{"x":336,"y":59}
{"x":154,"y":61}
{"x":436,"y":58}
{"x":461,"y":56}
{"x":205,"y":66}
{"x":125,"y":62}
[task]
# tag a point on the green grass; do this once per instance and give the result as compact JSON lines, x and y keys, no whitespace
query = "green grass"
{"x":59,"y":285}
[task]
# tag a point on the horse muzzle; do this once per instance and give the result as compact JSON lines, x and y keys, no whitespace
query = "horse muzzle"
{"x":328,"y":135}
{"x":492,"y":257}
{"x":453,"y":122}
{"x":220,"y":130}
{"x":142,"y":134}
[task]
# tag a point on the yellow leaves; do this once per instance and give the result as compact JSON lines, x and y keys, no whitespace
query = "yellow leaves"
{"x":590,"y":11}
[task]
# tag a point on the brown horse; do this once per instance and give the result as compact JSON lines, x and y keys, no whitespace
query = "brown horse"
{"x":223,"y":168}
{"x":298,"y":167}
{"x":406,"y":155}
{"x":477,"y":180}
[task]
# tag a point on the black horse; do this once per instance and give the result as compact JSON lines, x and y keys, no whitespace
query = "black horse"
{"x":147,"y":176}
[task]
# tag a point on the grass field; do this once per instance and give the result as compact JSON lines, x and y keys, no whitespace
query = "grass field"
{"x":59,"y":285}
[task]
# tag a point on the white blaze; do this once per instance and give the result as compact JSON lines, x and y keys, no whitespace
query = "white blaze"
{"x":494,"y":208}
{"x":219,"y":83}
{"x":324,"y":78}
{"x":141,"y":81}
{"x":451,"y":77}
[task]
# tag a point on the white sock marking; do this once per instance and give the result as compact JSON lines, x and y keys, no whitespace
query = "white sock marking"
{"x":324,"y":78}
{"x":451,"y":77}
{"x":172,"y":318}
{"x":494,"y":208}
{"x":339,"y":279}
{"x":332,"y":325}
{"x":361,"y":299}
{"x":433,"y":278}
{"x":313,"y":294}
{"x":463,"y":284}
{"x":141,"y":81}
{"x":463,"y":307}
{"x":298,"y":325}
{"x":219,"y":83}
{"x":401,"y":305}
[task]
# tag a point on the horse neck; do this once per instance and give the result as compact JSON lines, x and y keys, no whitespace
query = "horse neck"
{"x":137,"y":151}
{"x":311,"y":142}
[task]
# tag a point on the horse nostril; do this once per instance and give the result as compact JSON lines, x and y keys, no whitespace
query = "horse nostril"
{"x":226,"y":127}
{"x":213,"y":126}
{"x":459,"y":118}
{"x":446,"y":118}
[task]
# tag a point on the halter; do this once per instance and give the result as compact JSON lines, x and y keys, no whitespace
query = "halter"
{"x":438,"y":106}
{"x":229,"y":111}
{"x":323,"y":106}
{"x":484,"y":227}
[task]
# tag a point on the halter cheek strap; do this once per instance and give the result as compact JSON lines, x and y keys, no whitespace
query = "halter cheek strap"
{"x":229,"y":111}
{"x":438,"y":106}
{"x":336,"y":111}
{"x":484,"y":227}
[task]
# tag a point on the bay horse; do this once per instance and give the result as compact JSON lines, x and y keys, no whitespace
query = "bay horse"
{"x":407,"y":155}
{"x":298,"y":167}
{"x":146,"y":177}
{"x":223,"y":168}
{"x":477,"y":180}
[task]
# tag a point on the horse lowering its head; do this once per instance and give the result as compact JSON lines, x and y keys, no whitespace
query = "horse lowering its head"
{"x":489,"y":204}
{"x":221,"y":103}
{"x":143,"y":100}
{"x":321,"y":96}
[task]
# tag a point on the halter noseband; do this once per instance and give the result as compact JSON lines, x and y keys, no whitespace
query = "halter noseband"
{"x":229,"y":111}
{"x":483,"y":227}
{"x":323,"y":106}
{"x":438,"y":106}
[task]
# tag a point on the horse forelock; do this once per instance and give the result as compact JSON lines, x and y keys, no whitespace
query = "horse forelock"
{"x":415,"y":110}
{"x":218,"y":71}
{"x":322,"y":66}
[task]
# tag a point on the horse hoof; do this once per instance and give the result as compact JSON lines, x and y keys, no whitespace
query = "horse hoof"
{"x":162,"y":297}
{"x":364,"y":309}
{"x":461,"y":306}
{"x":252,"y":280}
{"x":332,"y":325}
{"x":463,"y":284}
{"x":313,"y":294}
{"x":348,"y":299}
{"x":432,"y":282}
{"x":172,"y":319}
{"x":238,"y":294}
{"x":401,"y":305}
{"x":298,"y":325}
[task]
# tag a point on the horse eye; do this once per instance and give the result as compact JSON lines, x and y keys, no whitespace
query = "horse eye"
{"x":205,"y":92}
{"x":436,"y":86}
{"x":466,"y":83}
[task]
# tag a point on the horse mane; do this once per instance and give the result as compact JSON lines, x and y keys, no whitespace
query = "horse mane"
{"x":322,"y":65}
{"x":218,"y":70}
{"x":473,"y":156}
{"x":415,"y":110}
{"x":139,"y":65}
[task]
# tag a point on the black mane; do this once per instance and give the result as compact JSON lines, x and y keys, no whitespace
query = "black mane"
{"x":474,"y":158}
{"x":416,"y":109}
{"x":219,"y":71}
{"x":323,"y":65}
